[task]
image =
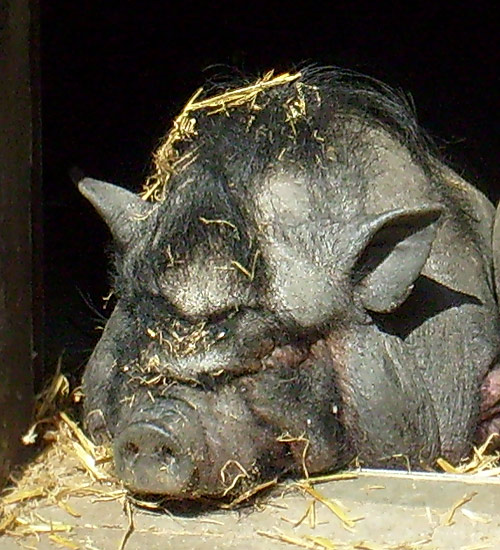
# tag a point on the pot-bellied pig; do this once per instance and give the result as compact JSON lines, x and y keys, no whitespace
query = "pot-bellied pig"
{"x":301,"y":283}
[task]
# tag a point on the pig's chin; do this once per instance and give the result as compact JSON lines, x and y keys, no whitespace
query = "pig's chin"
{"x":196,"y":442}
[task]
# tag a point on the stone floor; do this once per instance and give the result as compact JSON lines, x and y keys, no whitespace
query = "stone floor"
{"x":382,"y":510}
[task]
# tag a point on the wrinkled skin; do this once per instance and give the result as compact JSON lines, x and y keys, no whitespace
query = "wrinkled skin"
{"x":303,"y":296}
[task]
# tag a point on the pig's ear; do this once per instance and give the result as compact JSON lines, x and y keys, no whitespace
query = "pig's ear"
{"x":120,"y":209}
{"x":390,"y":250}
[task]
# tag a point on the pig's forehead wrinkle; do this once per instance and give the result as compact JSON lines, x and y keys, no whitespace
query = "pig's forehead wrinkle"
{"x":209,"y":283}
{"x":298,"y":285}
{"x":284,"y":196}
{"x":207,"y":240}
{"x":287,"y":198}
{"x":203,"y":270}
{"x":208,"y":211}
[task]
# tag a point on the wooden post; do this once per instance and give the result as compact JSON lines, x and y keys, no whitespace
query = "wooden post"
{"x":20,"y":265}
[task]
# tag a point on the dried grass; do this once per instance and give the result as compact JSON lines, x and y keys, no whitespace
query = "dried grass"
{"x":485,"y":460}
{"x":167,"y":160}
{"x":335,"y":507}
{"x":314,"y":542}
{"x":180,"y":341}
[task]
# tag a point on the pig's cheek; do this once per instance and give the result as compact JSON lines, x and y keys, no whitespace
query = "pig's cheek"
{"x":302,"y":405}
{"x":489,"y":420}
{"x":102,"y":406}
{"x":272,"y":410}
{"x":490,"y":392}
{"x":240,"y":445}
{"x":96,"y":426}
{"x":309,"y":443}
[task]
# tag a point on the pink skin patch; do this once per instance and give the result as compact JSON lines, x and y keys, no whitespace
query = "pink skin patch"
{"x":489,"y":419}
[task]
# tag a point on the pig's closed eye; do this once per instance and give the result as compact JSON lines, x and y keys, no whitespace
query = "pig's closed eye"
{"x":221,"y":316}
{"x":165,"y":308}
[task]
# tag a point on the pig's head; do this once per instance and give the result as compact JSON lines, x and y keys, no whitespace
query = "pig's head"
{"x":225,"y":359}
{"x":222,"y":363}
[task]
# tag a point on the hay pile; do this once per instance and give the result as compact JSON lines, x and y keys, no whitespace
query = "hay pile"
{"x":67,"y":464}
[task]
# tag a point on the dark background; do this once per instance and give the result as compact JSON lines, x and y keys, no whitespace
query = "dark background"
{"x":115,"y":74}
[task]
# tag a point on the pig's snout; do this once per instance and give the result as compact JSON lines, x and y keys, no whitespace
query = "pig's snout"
{"x":150,"y":459}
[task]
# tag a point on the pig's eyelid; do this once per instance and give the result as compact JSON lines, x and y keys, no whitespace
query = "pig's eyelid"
{"x":171,"y":309}
{"x":162,"y":304}
{"x":222,"y":315}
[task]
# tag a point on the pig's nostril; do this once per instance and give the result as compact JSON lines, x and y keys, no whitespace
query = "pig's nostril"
{"x":165,"y":455}
{"x":149,"y":459}
{"x":130,"y":450}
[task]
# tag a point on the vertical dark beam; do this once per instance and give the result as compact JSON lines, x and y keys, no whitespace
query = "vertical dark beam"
{"x":18,"y":125}
{"x":38,"y":297}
